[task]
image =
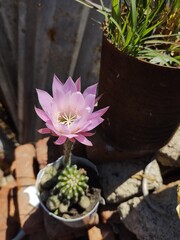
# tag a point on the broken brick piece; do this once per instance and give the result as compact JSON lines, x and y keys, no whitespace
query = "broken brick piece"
{"x":102,"y":231}
{"x":24,"y":155}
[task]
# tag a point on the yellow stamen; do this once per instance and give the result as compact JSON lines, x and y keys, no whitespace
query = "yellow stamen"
{"x":67,"y":119}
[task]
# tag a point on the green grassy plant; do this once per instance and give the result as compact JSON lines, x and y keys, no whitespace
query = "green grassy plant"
{"x":146,"y":29}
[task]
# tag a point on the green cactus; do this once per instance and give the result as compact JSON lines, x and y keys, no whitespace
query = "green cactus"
{"x":72,"y":183}
{"x":49,"y":177}
{"x":84,"y":202}
{"x":62,"y":187}
{"x":53,"y":202}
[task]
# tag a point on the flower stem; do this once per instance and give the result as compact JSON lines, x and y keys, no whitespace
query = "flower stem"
{"x":68,"y":145}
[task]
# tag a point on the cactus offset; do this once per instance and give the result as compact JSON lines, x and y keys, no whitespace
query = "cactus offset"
{"x":72,"y":183}
{"x":53,"y":203}
{"x":49,"y":177}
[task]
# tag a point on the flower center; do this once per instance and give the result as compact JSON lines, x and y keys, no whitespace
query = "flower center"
{"x":67,"y":119}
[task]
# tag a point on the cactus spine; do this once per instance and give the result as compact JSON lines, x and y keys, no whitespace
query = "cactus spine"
{"x":72,"y":183}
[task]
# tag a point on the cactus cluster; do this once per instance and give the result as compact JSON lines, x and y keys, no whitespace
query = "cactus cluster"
{"x":65,"y":186}
{"x":72,"y":183}
{"x":49,"y":177}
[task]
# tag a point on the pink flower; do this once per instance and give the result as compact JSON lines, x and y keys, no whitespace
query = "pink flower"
{"x":69,"y":113}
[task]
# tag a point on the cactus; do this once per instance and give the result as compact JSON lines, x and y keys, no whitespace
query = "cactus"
{"x":84,"y":202}
{"x":72,"y":183}
{"x":53,"y":202}
{"x":49,"y":177}
{"x":64,"y":186}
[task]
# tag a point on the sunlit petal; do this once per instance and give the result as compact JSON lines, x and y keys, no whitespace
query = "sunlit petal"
{"x":45,"y":100}
{"x":60,"y":140}
{"x":82,"y":139}
{"x":94,"y":123}
{"x":99,"y":113}
{"x":90,"y":101}
{"x":44,"y":131}
{"x":41,"y":114}
{"x":56,"y":87}
{"x":78,"y":84}
{"x":90,"y":90}
{"x":69,"y":85}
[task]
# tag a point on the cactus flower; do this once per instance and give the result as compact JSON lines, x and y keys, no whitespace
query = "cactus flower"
{"x":68,"y":114}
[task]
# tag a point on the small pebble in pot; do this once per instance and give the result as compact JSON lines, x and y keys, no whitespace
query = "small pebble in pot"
{"x":84,"y":202}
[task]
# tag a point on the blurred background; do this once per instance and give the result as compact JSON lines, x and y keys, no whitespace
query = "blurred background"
{"x":39,"y":38}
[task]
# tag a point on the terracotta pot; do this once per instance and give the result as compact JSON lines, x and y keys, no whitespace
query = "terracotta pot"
{"x":144,"y":102}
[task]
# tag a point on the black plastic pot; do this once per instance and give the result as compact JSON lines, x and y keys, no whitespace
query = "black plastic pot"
{"x":144,"y":102}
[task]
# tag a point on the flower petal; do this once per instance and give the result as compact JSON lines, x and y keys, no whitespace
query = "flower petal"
{"x":78,"y":84}
{"x":62,"y":104}
{"x":87,"y":134}
{"x":41,"y":114}
{"x":98,"y":98}
{"x":90,"y":101}
{"x":98,"y":113}
{"x":94,"y":123}
{"x":44,"y":131}
{"x":76,"y":103}
{"x":80,"y":124}
{"x":56,"y":86}
{"x":90,"y":90}
{"x":60,"y":140}
{"x":69,"y":135}
{"x":82,"y":139}
{"x":52,"y":128}
{"x":69,"y":86}
{"x":45,"y":100}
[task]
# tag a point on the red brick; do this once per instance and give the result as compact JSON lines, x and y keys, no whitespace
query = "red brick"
{"x":1,"y":175}
{"x":47,"y":151}
{"x":110,"y":216}
{"x":25,"y":209}
{"x":42,"y":152}
{"x":8,"y":181}
{"x":9,"y":224}
{"x":94,"y":220}
{"x":101,"y":232}
{"x":24,"y":155}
